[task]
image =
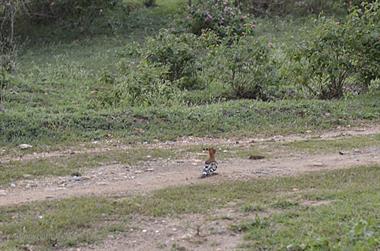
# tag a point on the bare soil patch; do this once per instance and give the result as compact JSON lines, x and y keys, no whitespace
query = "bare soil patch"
{"x":119,"y":180}
{"x":112,"y":145}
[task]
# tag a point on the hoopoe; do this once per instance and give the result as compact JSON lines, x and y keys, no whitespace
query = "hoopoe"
{"x":210,"y":165}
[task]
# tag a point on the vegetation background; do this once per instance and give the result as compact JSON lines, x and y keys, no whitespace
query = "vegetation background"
{"x":139,"y":70}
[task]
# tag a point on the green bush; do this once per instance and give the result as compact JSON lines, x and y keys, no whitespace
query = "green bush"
{"x":252,"y":72}
{"x":53,"y":10}
{"x":364,"y":40}
{"x":222,"y":17}
{"x":325,"y":61}
{"x":149,"y":3}
{"x":168,"y":64}
{"x":179,"y":54}
{"x":337,"y":53}
{"x":246,"y":67}
{"x":202,"y":69}
{"x":294,"y":7}
{"x":145,"y":86}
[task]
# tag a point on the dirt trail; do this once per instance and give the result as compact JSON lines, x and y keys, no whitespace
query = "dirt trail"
{"x":117,"y":180}
{"x":105,"y":146}
{"x":189,"y":232}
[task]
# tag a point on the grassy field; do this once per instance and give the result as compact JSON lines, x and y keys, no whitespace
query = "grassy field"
{"x":348,"y":219}
{"x":234,"y":118}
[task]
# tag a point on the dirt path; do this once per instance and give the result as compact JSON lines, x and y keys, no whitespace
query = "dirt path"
{"x":189,"y":232}
{"x":101,"y":147}
{"x":118,"y":180}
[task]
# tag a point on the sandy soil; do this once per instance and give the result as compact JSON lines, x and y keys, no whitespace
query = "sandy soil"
{"x":111,"y":145}
{"x":118,"y":180}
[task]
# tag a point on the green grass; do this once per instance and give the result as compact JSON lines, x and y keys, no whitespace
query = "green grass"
{"x":326,"y":146}
{"x":53,"y":125}
{"x":350,"y":221}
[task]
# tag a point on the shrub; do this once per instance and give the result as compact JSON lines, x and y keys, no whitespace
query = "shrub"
{"x":7,"y":36}
{"x":295,"y":7}
{"x":144,"y":86}
{"x":168,"y":65}
{"x":53,"y":10}
{"x":247,"y":67}
{"x":220,"y":16}
{"x":5,"y":82}
{"x":202,"y":68}
{"x":337,"y":52}
{"x":364,"y":40}
{"x":179,"y":54}
{"x":149,"y":3}
{"x":326,"y":61}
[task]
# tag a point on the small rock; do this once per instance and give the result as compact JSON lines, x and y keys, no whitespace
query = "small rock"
{"x":144,"y":230}
{"x":318,"y":164}
{"x":76,"y":174}
{"x":3,"y":193}
{"x":256,"y":157}
{"x":357,"y":151}
{"x":342,"y":152}
{"x":76,"y":178}
{"x":13,"y":185}
{"x":149,"y":170}
{"x":26,"y":247}
{"x":309,"y":131}
{"x":31,"y":185}
{"x":138,"y":172}
{"x":26,"y":176}
{"x":25,"y":146}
